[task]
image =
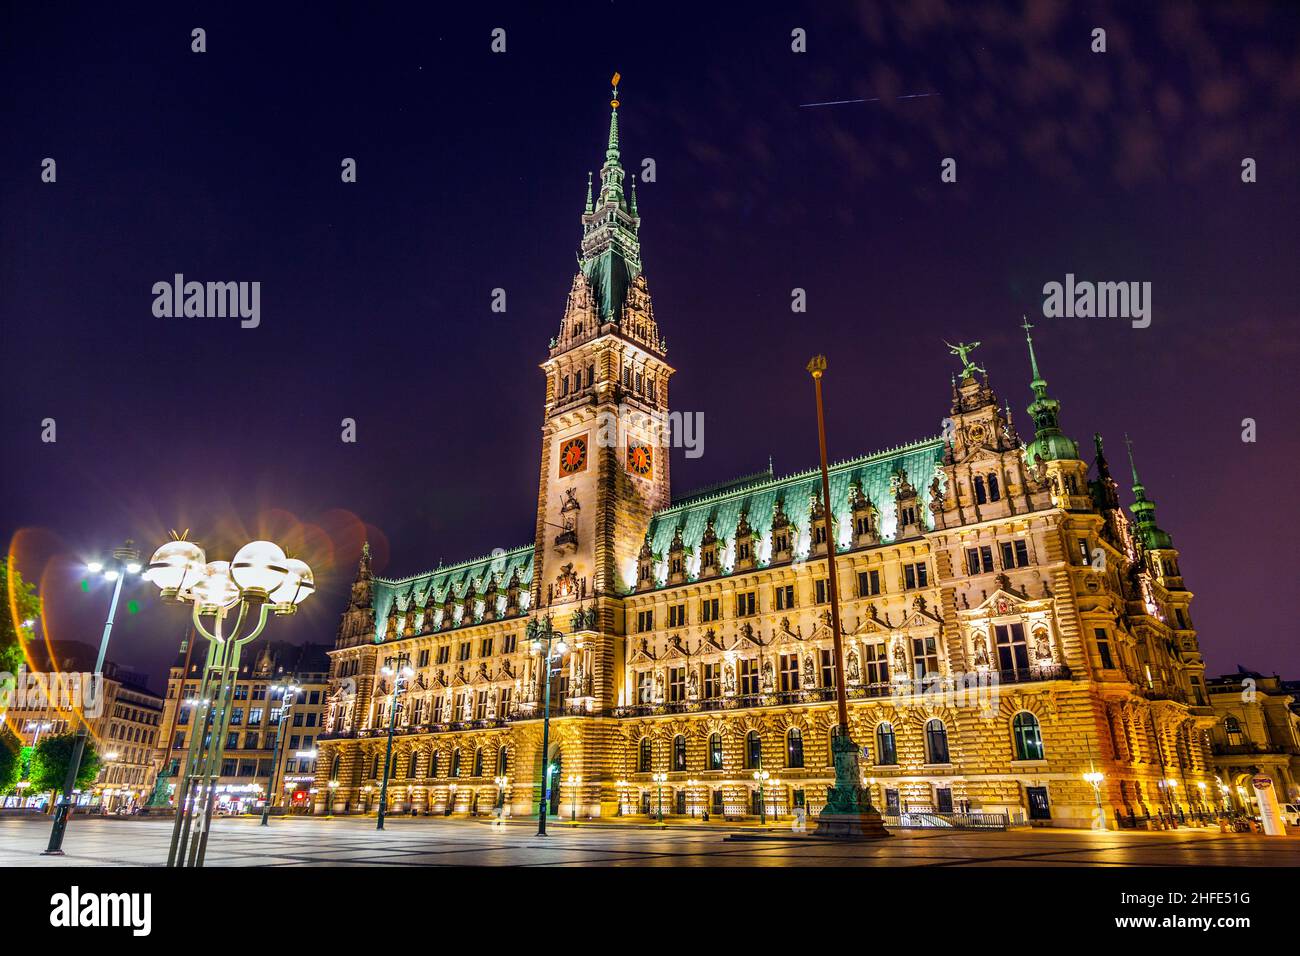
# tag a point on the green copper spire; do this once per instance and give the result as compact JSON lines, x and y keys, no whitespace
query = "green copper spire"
{"x":610,"y":256}
{"x":589,"y":207}
{"x":1144,"y":510}
{"x":1049,"y":443}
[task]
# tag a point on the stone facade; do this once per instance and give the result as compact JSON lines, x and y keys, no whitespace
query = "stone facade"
{"x":1257,"y":731}
{"x":1007,"y":627}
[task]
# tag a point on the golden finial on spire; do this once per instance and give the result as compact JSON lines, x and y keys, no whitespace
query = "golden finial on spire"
{"x":614,"y":93}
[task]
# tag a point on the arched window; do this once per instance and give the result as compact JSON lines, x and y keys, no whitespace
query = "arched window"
{"x":478,"y":762}
{"x":794,"y":748}
{"x":433,"y":763}
{"x":980,"y":496}
{"x":376,"y":767}
{"x":455,"y":762}
{"x":1232,"y":727}
{"x":410,"y":765}
{"x":679,"y":752}
{"x":715,"y":752}
{"x":503,"y":758}
{"x":1027,"y":736}
{"x":644,"y":759}
{"x":886,"y":749}
{"x":334,"y":767}
{"x":936,"y":742}
{"x":994,"y":494}
{"x":753,"y":751}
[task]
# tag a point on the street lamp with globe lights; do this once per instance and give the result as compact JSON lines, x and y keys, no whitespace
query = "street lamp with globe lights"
{"x":1094,"y":779}
{"x":660,"y":778}
{"x":259,"y":581}
{"x":124,"y":564}
{"x":289,"y":693}
{"x":759,"y":777}
{"x":399,"y":669}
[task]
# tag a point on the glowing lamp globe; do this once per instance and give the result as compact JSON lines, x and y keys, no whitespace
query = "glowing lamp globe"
{"x":176,"y":565}
{"x":215,"y":588}
{"x":298,"y":583}
{"x":258,"y":566}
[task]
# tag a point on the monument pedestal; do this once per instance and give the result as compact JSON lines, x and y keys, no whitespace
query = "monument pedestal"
{"x":848,"y":814}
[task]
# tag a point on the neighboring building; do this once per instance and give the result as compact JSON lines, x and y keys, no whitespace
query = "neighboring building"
{"x":124,"y":731}
{"x":1257,"y":732}
{"x":697,"y":627}
{"x":254,"y":722}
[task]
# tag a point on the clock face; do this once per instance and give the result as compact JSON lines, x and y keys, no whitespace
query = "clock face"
{"x":977,"y":434}
{"x":573,"y":455}
{"x":640,"y":459}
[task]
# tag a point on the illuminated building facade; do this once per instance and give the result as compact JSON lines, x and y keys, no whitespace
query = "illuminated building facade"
{"x":256,"y":711}
{"x":1008,"y":627}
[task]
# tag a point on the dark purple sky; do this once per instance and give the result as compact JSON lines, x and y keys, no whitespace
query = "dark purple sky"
{"x":472,"y":169}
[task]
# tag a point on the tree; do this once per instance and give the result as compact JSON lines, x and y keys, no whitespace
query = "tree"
{"x":20,"y":604}
{"x":50,"y":763}
{"x":11,"y":749}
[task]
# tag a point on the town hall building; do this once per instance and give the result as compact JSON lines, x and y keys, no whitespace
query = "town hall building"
{"x":1007,"y":627}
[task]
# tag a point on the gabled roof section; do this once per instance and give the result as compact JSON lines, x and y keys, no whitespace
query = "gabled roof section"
{"x":758,"y":498}
{"x":501,"y":565}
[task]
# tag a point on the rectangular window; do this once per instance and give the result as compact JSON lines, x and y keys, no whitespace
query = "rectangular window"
{"x":1103,"y":648}
{"x":822,"y":590}
{"x":712,"y":681}
{"x":485,"y":648}
{"x":925,"y":657}
{"x":509,"y":643}
{"x":877,"y":664}
{"x":676,"y":616}
{"x":709,"y":610}
{"x":789,"y":672}
{"x":915,"y":576}
{"x":480,"y":706}
{"x":645,"y":621}
{"x":503,"y":703}
{"x":868,"y":583}
{"x":423,"y":659}
{"x":463,"y":652}
{"x":742,"y":551}
{"x":745,"y":604}
{"x":645,"y":682}
{"x":676,"y":685}
{"x":1084,"y":552}
{"x":748,"y":677}
{"x":444,"y":654}
{"x":1013,"y":653}
{"x":438,"y":708}
{"x":1015,"y":554}
{"x":828,"y":668}
{"x":785,"y":597}
{"x":979,"y":560}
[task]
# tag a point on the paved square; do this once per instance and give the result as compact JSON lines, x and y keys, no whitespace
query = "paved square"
{"x":354,"y":841}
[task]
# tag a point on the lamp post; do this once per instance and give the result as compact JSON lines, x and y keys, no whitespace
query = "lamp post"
{"x":289,"y":693}
{"x":659,"y":779}
{"x":848,"y":812}
{"x":1094,"y":778}
{"x":333,"y":786}
{"x":501,"y":796}
{"x":260,"y":581}
{"x":575,"y":781}
{"x":541,"y":632}
{"x":759,"y":777}
{"x":690,"y":797}
{"x":399,"y":669}
{"x":125,"y":562}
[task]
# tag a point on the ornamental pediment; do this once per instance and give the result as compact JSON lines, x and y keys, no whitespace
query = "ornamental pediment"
{"x":642,"y":655}
{"x":676,"y":651}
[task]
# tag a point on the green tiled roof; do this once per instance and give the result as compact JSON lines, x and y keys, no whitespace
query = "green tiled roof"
{"x":759,"y":499}
{"x":456,"y":576}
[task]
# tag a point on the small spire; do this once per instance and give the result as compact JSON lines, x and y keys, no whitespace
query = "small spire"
{"x":611,"y":149}
{"x":1139,"y":492}
{"x":589,"y":207}
{"x":1038,"y":384}
{"x":632,"y":202}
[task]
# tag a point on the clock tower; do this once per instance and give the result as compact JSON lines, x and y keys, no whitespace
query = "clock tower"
{"x":604,"y":467}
